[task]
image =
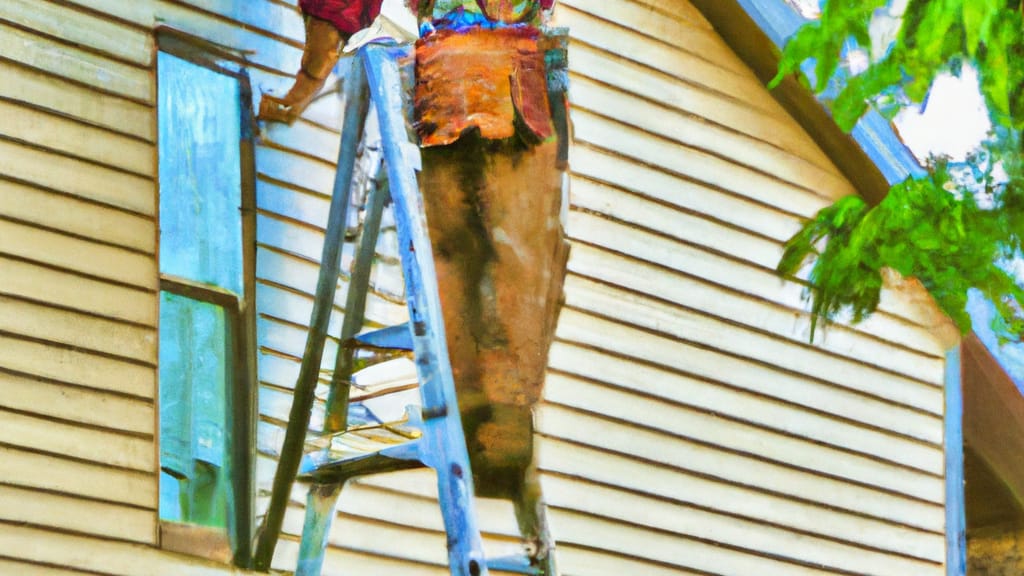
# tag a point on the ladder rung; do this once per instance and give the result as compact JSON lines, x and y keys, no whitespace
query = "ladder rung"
{"x":320,"y":467}
{"x":395,"y":337}
{"x":513,"y":564}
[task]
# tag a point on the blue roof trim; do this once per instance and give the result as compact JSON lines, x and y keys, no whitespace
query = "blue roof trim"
{"x":1010,"y":356}
{"x":875,"y":135}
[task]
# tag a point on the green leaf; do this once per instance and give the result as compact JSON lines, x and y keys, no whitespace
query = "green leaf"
{"x":931,"y":227}
{"x":975,"y":13}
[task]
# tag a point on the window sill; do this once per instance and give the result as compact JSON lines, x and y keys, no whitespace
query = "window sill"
{"x":193,"y":540}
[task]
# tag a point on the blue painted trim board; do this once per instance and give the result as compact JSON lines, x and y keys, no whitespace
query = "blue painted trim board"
{"x":443,"y":445}
{"x":1009,"y":355}
{"x":956,"y":518}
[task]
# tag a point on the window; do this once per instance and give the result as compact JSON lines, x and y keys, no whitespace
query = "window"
{"x":206,"y":289}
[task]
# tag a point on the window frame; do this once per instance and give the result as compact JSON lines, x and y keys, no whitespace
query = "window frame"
{"x":240,"y":316}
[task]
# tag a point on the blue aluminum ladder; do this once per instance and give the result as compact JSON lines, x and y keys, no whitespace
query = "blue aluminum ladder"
{"x":441,"y":443}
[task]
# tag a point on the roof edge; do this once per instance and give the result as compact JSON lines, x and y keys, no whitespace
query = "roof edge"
{"x":872,"y":157}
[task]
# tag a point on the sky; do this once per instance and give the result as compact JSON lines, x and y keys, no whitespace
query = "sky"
{"x":953,"y":121}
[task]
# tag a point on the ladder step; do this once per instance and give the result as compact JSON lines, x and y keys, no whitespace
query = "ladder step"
{"x":395,"y":337}
{"x":513,"y":564}
{"x":321,"y":467}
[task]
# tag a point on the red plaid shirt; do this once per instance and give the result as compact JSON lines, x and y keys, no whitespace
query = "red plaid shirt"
{"x":348,"y":16}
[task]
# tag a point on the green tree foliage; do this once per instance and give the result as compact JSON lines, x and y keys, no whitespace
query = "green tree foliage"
{"x":955,"y":228}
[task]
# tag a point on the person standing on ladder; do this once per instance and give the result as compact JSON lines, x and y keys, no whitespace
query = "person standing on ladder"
{"x":491,"y":113}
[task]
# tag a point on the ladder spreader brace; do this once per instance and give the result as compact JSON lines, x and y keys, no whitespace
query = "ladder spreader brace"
{"x":442,"y":444}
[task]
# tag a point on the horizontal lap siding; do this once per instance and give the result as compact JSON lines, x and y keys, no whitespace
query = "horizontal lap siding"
{"x":688,"y":425}
{"x":78,"y":271}
{"x":77,"y":286}
{"x":687,"y":177}
{"x":78,"y":274}
{"x":392,"y":523}
{"x":65,"y":552}
{"x":73,"y":403}
{"x":8,"y":566}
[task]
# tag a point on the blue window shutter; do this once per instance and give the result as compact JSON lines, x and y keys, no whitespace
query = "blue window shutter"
{"x":194,"y":375}
{"x":200,"y":179}
{"x":175,"y":387}
{"x":193,"y":380}
{"x":200,"y":244}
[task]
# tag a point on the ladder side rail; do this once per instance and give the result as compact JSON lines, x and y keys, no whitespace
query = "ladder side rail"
{"x":316,"y":530}
{"x":355,"y":307}
{"x":356,"y":107}
{"x":323,"y":497}
{"x":444,"y":445}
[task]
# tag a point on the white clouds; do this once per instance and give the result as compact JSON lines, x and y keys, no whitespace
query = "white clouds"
{"x":954,"y":121}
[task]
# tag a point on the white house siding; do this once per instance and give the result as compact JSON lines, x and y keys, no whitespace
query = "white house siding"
{"x":78,"y":273}
{"x":688,"y":426}
{"x":77,"y":290}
